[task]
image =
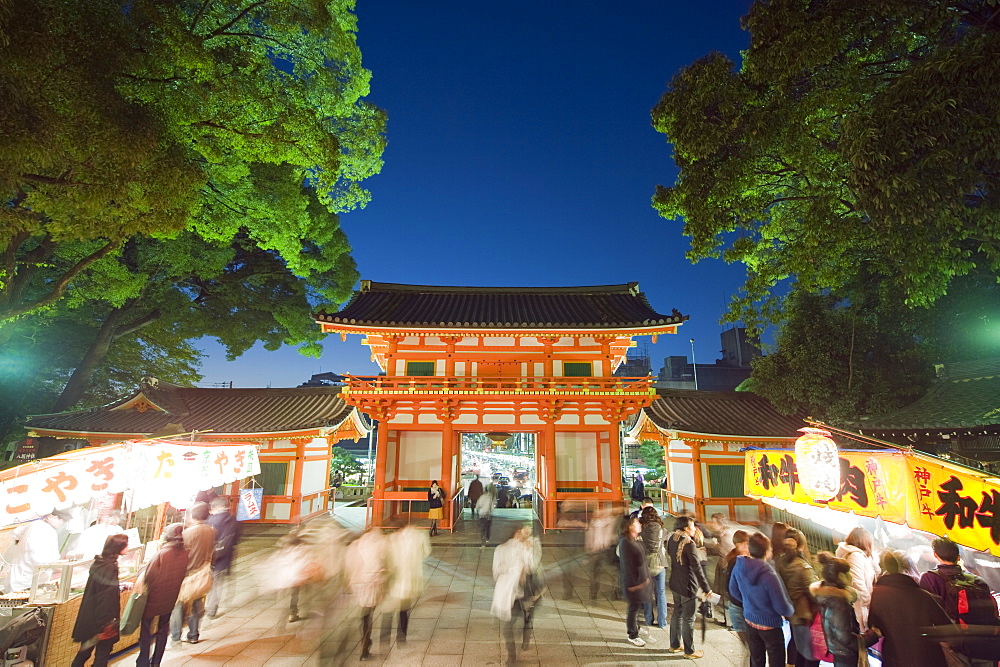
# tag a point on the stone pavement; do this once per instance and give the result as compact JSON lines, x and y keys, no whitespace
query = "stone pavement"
{"x":450,"y":625}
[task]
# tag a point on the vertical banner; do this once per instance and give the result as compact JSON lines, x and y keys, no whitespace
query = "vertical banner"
{"x":249,"y":505}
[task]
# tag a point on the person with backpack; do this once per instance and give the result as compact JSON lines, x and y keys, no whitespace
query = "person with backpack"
{"x":836,"y":599}
{"x":966,"y":598}
{"x":227,"y":534}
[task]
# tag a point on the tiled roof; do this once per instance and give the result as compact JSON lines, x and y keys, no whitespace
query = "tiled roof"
{"x":966,"y":396}
{"x":603,"y":306}
{"x":738,"y":413}
{"x":197,"y":409}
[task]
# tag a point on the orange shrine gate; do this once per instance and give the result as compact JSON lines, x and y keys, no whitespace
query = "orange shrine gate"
{"x":487,"y":359}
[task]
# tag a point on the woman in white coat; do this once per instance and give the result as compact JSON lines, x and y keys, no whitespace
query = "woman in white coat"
{"x":407,"y":549}
{"x":518,"y":584}
{"x":366,"y":563}
{"x":858,"y":551}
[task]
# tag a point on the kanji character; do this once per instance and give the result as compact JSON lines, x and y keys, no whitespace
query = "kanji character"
{"x":768,"y":473}
{"x":53,"y":484}
{"x":165,"y":457}
{"x":853,"y":483}
{"x":17,"y":509}
{"x":955,"y":506}
{"x":789,"y":472}
{"x":104,"y":468}
{"x":988,"y":515}
{"x":239,"y":461}
{"x":922,"y":475}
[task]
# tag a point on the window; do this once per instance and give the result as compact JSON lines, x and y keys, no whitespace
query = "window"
{"x":578,"y":369}
{"x":421,"y":368}
{"x":272,"y":478}
{"x":726,"y":481}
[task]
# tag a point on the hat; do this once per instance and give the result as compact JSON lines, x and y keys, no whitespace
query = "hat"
{"x":173,"y":532}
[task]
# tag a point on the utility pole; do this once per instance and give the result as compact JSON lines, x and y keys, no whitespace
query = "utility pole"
{"x":694,"y":366}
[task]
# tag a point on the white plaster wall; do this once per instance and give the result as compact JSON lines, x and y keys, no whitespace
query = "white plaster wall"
{"x":576,"y":456}
{"x":314,"y":476}
{"x":682,"y":478}
{"x":419,"y":455}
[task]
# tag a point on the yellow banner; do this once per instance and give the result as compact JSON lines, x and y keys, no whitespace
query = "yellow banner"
{"x":901,"y":487}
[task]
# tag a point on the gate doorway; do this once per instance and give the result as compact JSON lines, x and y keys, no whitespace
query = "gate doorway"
{"x":506,"y":460}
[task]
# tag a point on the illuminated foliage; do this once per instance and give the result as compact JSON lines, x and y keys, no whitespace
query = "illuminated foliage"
{"x":856,"y":136}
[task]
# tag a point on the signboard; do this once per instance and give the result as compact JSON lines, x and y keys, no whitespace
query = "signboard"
{"x":249,"y":505}
{"x":919,"y":491}
{"x":149,"y":473}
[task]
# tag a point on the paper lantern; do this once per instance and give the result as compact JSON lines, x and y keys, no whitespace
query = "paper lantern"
{"x":818,"y":463}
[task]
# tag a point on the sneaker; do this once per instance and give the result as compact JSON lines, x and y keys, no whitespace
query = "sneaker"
{"x":637,"y":641}
{"x":676,"y":649}
{"x":695,"y":655}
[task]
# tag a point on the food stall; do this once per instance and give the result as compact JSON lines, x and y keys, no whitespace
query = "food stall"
{"x":903,"y":496}
{"x":129,"y":477}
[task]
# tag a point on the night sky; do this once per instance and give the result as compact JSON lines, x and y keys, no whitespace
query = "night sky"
{"x":520,"y":152}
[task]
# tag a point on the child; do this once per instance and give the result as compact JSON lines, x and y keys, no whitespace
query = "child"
{"x":836,"y":603}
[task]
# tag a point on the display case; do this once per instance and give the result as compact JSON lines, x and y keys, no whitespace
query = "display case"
{"x":55,"y":583}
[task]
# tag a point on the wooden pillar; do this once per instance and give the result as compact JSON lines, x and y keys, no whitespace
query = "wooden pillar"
{"x":300,"y":451}
{"x":699,"y":491}
{"x":381,"y":445}
{"x":447,"y":480}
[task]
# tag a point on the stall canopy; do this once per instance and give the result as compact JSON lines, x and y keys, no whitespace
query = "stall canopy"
{"x":148,"y":472}
{"x":904,"y":487}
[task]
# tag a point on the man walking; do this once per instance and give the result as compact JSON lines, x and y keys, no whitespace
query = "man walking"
{"x":227,"y":534}
{"x":485,"y":506}
{"x":199,"y":539}
{"x":687,"y":578}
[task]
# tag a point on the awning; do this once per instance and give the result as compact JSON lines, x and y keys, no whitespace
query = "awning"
{"x":148,"y":471}
{"x":899,"y":486}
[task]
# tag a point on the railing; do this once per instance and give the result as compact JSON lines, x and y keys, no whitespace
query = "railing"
{"x":349,"y":494}
{"x":672,"y":503}
{"x":572,"y":514}
{"x":398,"y":512}
{"x":491,"y":385}
{"x":457,"y":505}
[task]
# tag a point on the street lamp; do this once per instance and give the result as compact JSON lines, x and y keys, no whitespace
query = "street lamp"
{"x":694,"y":366}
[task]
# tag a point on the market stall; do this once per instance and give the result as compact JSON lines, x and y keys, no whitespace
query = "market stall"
{"x":155,"y":477}
{"x":904,"y":497}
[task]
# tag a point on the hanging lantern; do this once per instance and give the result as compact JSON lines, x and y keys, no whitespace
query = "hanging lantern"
{"x":499,"y":440}
{"x":818,"y":463}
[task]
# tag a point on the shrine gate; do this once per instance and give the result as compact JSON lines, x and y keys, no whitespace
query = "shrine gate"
{"x":482,"y":359}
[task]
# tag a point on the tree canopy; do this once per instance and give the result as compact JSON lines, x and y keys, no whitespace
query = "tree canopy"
{"x":853,"y":136}
{"x":170,"y":171}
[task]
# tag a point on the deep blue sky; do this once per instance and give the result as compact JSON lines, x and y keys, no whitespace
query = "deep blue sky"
{"x":520,"y":152}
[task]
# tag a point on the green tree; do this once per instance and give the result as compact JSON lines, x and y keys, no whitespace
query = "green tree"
{"x":344,"y":462}
{"x":854,"y":136}
{"x":651,"y":453}
{"x":146,"y":119}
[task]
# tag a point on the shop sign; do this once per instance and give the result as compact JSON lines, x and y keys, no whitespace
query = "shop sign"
{"x":249,"y":505}
{"x":904,"y":488}
{"x":149,"y":473}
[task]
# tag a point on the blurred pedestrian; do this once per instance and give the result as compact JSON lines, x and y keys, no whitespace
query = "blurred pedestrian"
{"x":778,"y":531}
{"x":474,"y":492}
{"x":519,"y":585}
{"x":96,"y":627}
{"x":199,"y":540}
{"x":756,"y":586}
{"x":407,"y":549}
{"x":485,"y":505}
{"x":227,"y":534}
{"x":796,"y":572}
{"x":636,"y":585}
{"x":600,"y":541}
{"x":687,"y":580}
{"x":836,"y":599}
{"x":366,"y":558}
{"x":161,"y":580}
{"x":858,"y":550}
{"x":723,"y":575}
{"x":652,"y":542}
{"x":900,"y":610}
{"x":435,"y":504}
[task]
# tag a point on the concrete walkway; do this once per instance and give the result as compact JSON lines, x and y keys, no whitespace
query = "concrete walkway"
{"x":450,"y":625}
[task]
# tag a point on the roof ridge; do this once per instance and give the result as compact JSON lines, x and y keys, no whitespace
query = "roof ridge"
{"x":624,"y":288}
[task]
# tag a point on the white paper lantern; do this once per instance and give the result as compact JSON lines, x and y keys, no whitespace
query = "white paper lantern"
{"x":818,"y":463}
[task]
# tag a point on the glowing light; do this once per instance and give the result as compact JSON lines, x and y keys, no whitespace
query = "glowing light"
{"x":818,"y":464}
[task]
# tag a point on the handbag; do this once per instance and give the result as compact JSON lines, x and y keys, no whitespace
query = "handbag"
{"x":132,"y":615}
{"x":819,"y":649}
{"x":196,"y":585}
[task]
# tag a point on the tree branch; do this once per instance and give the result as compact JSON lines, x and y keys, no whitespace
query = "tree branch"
{"x":134,"y":326}
{"x":223,"y":28}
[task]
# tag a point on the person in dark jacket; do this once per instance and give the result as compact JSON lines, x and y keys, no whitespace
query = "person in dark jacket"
{"x":652,"y":543}
{"x":836,"y":607}
{"x":227,"y":534}
{"x":635,"y":577}
{"x":162,"y":582}
{"x":900,"y":609}
{"x":687,"y":580}
{"x":796,"y":573}
{"x":756,"y":586}
{"x":199,"y":540}
{"x":475,"y":490}
{"x":100,"y":610}
{"x":435,"y":505}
